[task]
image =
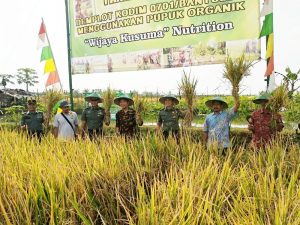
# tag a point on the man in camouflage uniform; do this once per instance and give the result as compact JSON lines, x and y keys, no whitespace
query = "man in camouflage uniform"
{"x":168,"y":118}
{"x":127,"y":120}
{"x":93,"y":117}
{"x":32,"y":121}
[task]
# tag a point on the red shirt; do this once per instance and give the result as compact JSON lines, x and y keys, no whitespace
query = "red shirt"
{"x":264,"y":129}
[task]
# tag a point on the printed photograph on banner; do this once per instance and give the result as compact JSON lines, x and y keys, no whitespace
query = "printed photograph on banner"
{"x":84,"y":8}
{"x":158,"y":33}
{"x":201,"y":54}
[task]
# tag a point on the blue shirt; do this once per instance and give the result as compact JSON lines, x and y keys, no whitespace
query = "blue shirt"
{"x":217,"y":127}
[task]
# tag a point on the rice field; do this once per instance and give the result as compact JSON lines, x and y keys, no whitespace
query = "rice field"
{"x":146,"y":182}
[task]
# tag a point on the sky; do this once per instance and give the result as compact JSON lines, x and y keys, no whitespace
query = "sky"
{"x":20,"y":21}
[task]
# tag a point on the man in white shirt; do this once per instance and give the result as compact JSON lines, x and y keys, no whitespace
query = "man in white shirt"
{"x":65,"y":123}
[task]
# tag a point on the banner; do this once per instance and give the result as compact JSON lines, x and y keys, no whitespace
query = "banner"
{"x":120,"y":35}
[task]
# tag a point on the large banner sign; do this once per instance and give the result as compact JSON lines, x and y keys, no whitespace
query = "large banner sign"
{"x":122,"y":35}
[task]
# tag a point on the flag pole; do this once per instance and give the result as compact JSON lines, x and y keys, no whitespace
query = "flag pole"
{"x":69,"y":54}
{"x":51,"y":52}
{"x":268,"y":77}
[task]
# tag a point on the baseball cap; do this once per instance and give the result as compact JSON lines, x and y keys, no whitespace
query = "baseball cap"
{"x":64,"y":104}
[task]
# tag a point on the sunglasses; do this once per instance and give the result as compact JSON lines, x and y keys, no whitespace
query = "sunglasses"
{"x":65,"y":107}
{"x":94,"y":99}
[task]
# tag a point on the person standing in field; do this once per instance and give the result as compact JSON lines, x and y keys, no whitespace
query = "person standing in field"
{"x":32,"y":121}
{"x":168,"y":117}
{"x":65,"y":123}
{"x":127,"y":120}
{"x":93,"y":117}
{"x":217,"y":124}
{"x":263,"y":124}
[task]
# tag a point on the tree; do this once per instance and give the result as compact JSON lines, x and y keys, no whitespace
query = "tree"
{"x":5,"y":79}
{"x":27,"y":76}
{"x":290,"y":80}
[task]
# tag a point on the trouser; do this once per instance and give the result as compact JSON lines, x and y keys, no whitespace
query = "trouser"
{"x":35,"y":134}
{"x":175,"y":134}
{"x":95,"y":133}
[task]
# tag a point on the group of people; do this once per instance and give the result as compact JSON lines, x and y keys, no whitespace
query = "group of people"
{"x":263,"y":124}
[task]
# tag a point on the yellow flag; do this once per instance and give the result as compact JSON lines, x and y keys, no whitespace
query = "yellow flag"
{"x":270,"y":46}
{"x":49,"y":66}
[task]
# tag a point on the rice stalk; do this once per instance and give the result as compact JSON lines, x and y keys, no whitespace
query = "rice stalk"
{"x":235,"y":70}
{"x":108,"y":100}
{"x":140,"y":107}
{"x":187,"y":87}
{"x":279,"y":99}
{"x":50,"y":99}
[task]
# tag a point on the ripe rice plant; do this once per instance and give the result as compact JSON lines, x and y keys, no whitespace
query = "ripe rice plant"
{"x":235,"y":70}
{"x":49,"y":100}
{"x":108,"y":98}
{"x":187,"y":87}
{"x":146,"y":181}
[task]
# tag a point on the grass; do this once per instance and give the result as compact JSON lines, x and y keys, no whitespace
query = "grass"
{"x":146,"y":181}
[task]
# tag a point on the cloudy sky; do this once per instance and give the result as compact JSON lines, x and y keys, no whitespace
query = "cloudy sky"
{"x":20,"y":21}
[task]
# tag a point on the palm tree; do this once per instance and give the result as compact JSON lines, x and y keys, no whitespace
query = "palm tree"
{"x":27,"y":76}
{"x":5,"y":79}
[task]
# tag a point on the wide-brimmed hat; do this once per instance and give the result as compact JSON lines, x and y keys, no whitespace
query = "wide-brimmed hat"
{"x":169,"y":96}
{"x":93,"y":96}
{"x":126,"y":97}
{"x":210,"y":102}
{"x":262,"y":98}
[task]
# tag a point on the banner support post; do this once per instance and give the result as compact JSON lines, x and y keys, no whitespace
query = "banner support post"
{"x":69,"y":55}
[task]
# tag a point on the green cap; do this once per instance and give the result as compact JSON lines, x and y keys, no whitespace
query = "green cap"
{"x":93,"y":96}
{"x":124,"y":96}
{"x":169,"y":96}
{"x":262,"y":98}
{"x":210,"y":102}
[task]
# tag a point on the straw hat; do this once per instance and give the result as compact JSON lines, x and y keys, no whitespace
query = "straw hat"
{"x":124,"y":96}
{"x":210,"y":102}
{"x":95,"y":96}
{"x":169,"y":96}
{"x":262,"y":98}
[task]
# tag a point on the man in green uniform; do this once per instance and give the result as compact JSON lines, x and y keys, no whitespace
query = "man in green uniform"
{"x":32,"y":121}
{"x":93,"y":117}
{"x":168,"y":118}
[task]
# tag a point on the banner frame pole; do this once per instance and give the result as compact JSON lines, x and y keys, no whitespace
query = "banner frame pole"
{"x":69,"y":54}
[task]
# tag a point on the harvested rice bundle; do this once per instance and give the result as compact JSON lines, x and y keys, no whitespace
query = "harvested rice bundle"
{"x":108,"y":97}
{"x":235,"y":70}
{"x":279,"y":99}
{"x":140,"y":106}
{"x":187,"y":87}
